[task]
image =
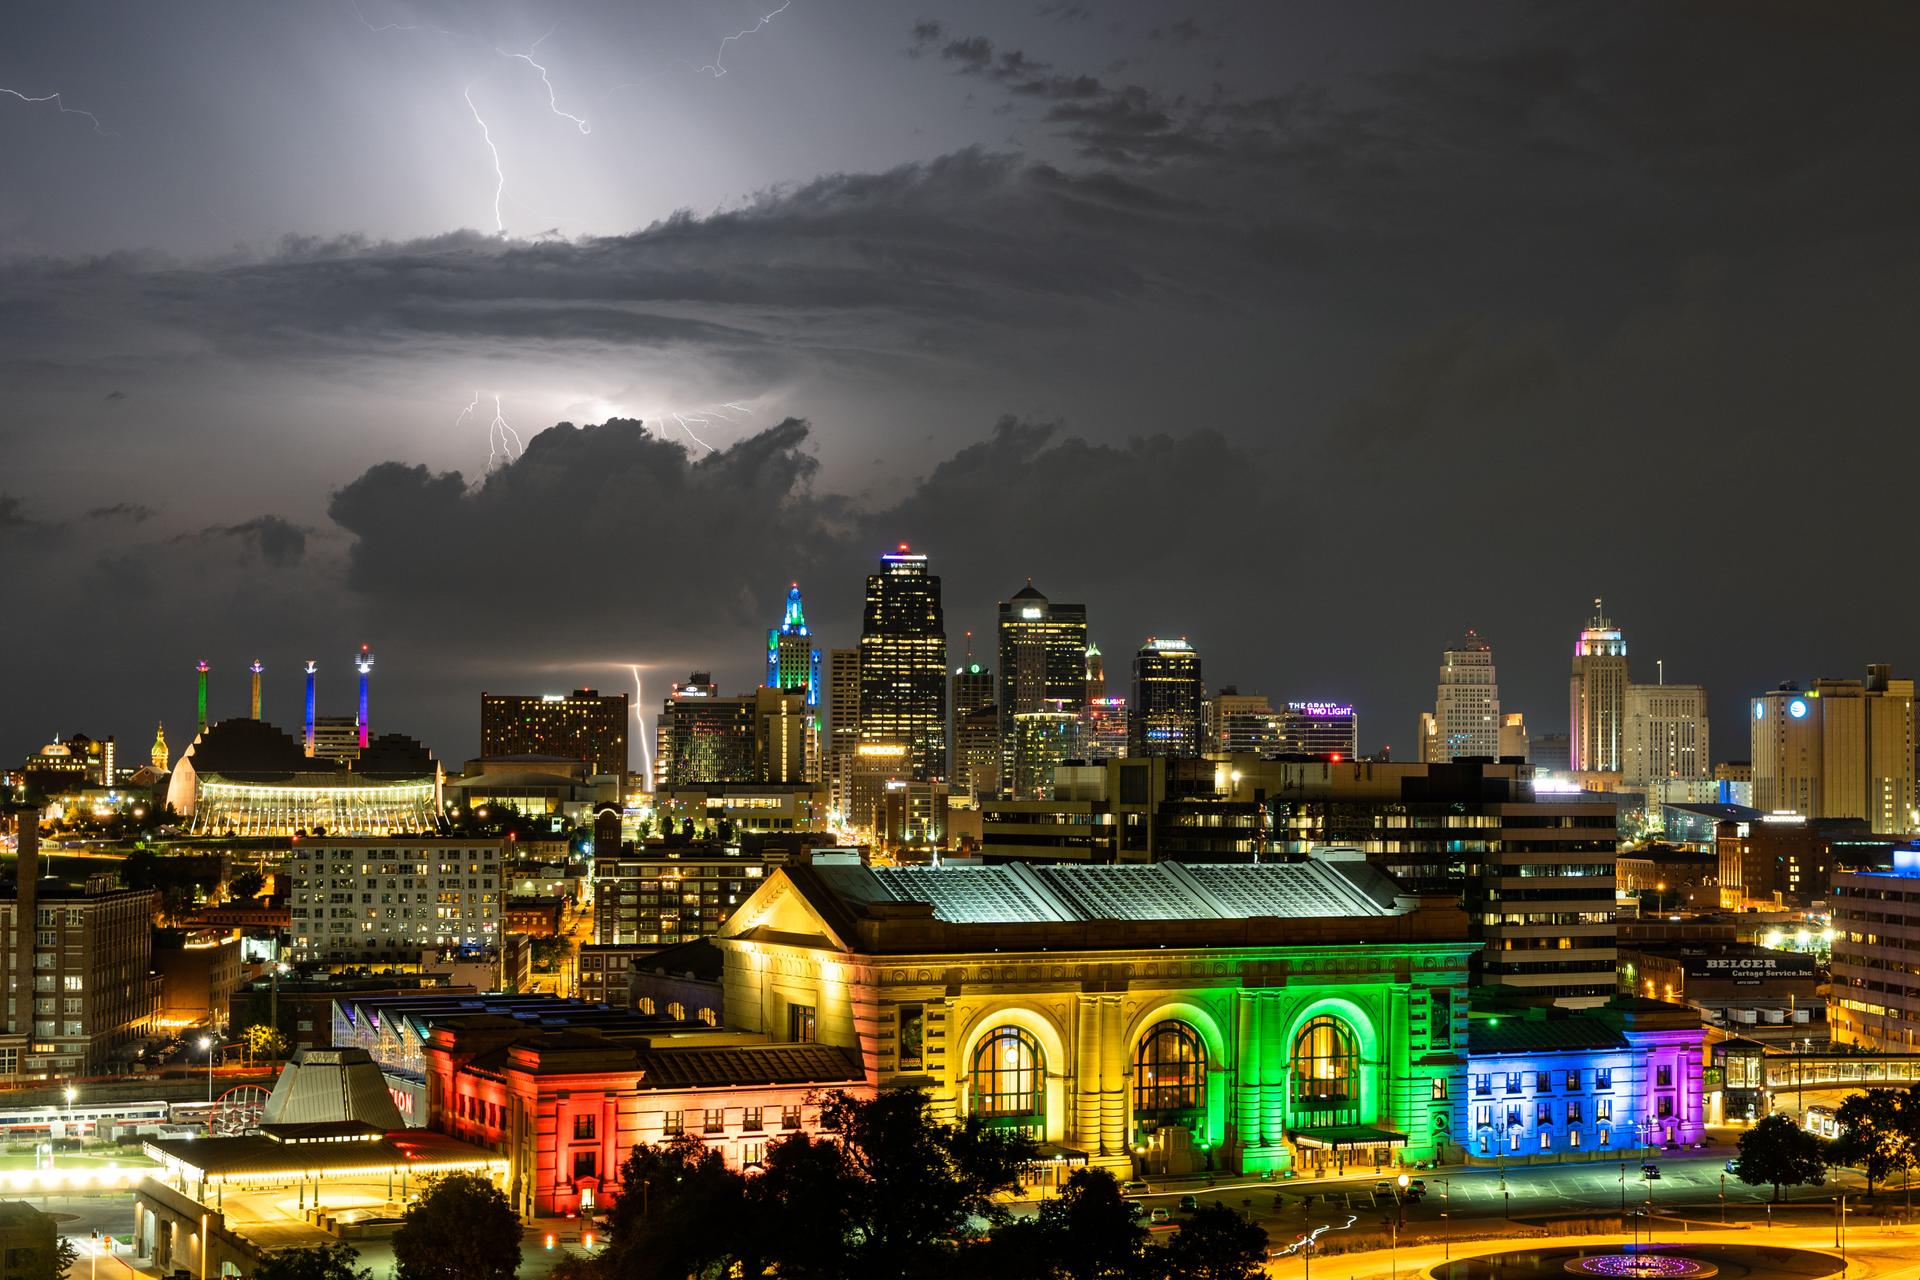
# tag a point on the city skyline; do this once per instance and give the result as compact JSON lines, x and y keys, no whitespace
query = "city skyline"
{"x":1087,"y":301}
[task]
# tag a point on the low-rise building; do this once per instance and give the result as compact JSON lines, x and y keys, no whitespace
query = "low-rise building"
{"x":566,"y":1106}
{"x":1552,"y":1084}
{"x":1875,"y":1000}
{"x":393,"y":898}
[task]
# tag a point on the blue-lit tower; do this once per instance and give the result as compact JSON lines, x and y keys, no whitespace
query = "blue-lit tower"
{"x":792,"y":660}
{"x":310,"y":670}
{"x":363,"y":663}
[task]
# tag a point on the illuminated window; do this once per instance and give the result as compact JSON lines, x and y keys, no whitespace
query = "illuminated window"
{"x":1325,"y":1063}
{"x":1008,"y":1074}
{"x":1169,"y":1071}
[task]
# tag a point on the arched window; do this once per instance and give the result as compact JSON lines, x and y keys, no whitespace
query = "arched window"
{"x":1326,"y":1066}
{"x":1009,"y":1075}
{"x":1169,"y":1071}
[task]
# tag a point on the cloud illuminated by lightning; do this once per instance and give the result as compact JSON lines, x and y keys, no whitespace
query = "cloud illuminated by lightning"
{"x":500,"y":176}
{"x":705,"y":417}
{"x":62,"y":107}
{"x":718,"y":66}
{"x":552,"y":101}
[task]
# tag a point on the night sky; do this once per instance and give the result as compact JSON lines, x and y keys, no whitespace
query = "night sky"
{"x":1316,"y":332}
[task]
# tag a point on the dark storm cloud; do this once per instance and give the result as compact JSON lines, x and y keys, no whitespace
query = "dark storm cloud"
{"x":719,"y":532}
{"x":847,"y":268}
{"x":278,"y":543}
{"x":133,"y":511}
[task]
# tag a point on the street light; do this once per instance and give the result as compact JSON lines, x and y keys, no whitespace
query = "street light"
{"x":206,"y":1044}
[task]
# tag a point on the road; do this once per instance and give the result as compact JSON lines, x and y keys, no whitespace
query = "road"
{"x":1466,"y":1200}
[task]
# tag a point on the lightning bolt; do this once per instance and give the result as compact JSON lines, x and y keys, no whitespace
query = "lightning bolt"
{"x":640,"y":719}
{"x":62,"y":107}
{"x":499,"y":224}
{"x":718,"y":66}
{"x":502,"y":432}
{"x":689,"y":430}
{"x":552,"y":101}
{"x":393,"y":26}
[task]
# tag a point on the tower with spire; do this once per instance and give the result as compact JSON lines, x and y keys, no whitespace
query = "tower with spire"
{"x":161,"y":764}
{"x":1597,"y":695}
{"x":792,"y":660}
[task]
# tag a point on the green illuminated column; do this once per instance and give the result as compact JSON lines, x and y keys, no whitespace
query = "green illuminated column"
{"x":1275,"y":1063}
{"x":1246,"y":1086}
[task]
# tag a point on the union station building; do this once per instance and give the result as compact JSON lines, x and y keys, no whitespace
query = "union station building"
{"x":1164,"y":1018}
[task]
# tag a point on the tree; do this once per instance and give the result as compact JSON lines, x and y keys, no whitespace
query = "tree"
{"x":64,"y":1256}
{"x":1780,"y":1153}
{"x":246,"y":884}
{"x":263,"y":1041}
{"x":1873,"y":1135}
{"x":461,"y":1228}
{"x":321,"y":1262}
{"x":681,"y":1212}
{"x":1087,"y":1232}
{"x":1217,"y":1243}
{"x":917,"y":1187}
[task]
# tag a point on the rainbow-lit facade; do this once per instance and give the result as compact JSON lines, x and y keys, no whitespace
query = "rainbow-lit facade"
{"x":1172,"y":1017}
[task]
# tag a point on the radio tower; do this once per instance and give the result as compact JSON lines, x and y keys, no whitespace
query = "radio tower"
{"x":256,"y":668}
{"x":363,"y":663}
{"x":201,"y":667}
{"x":310,"y":670}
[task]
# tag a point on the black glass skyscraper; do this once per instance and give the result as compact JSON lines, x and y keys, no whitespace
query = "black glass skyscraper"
{"x":1167,"y":692}
{"x":903,"y":663}
{"x":1043,"y":653}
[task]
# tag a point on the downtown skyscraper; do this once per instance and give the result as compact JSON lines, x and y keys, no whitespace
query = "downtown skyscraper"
{"x":1466,"y":705}
{"x":1164,"y":719}
{"x":792,"y":660}
{"x":1597,"y":696}
{"x":1043,"y":654}
{"x":903,"y":664}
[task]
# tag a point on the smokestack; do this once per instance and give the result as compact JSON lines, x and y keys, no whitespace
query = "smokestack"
{"x":310,"y":670}
{"x":201,"y":667}
{"x":363,"y":663}
{"x":256,"y":668}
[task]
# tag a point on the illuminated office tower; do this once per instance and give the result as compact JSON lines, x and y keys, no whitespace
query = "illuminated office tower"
{"x":792,"y":660}
{"x":976,"y":727}
{"x":1841,"y":749}
{"x":1043,"y":653}
{"x":1597,"y":696}
{"x":1665,"y":734}
{"x":1164,"y":719}
{"x":700,"y":736}
{"x":584,"y":725}
{"x":1042,"y":741}
{"x":1319,"y":729}
{"x":843,"y":722}
{"x":1236,"y":721}
{"x":903,"y":664}
{"x":1466,"y":707}
{"x":1096,"y":674}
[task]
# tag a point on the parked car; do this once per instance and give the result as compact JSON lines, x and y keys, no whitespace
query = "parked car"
{"x":1133,"y":1188}
{"x":1650,"y":1171}
{"x":1159,"y":1215}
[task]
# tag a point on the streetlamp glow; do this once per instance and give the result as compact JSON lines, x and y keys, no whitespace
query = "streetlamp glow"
{"x":206,"y":1044}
